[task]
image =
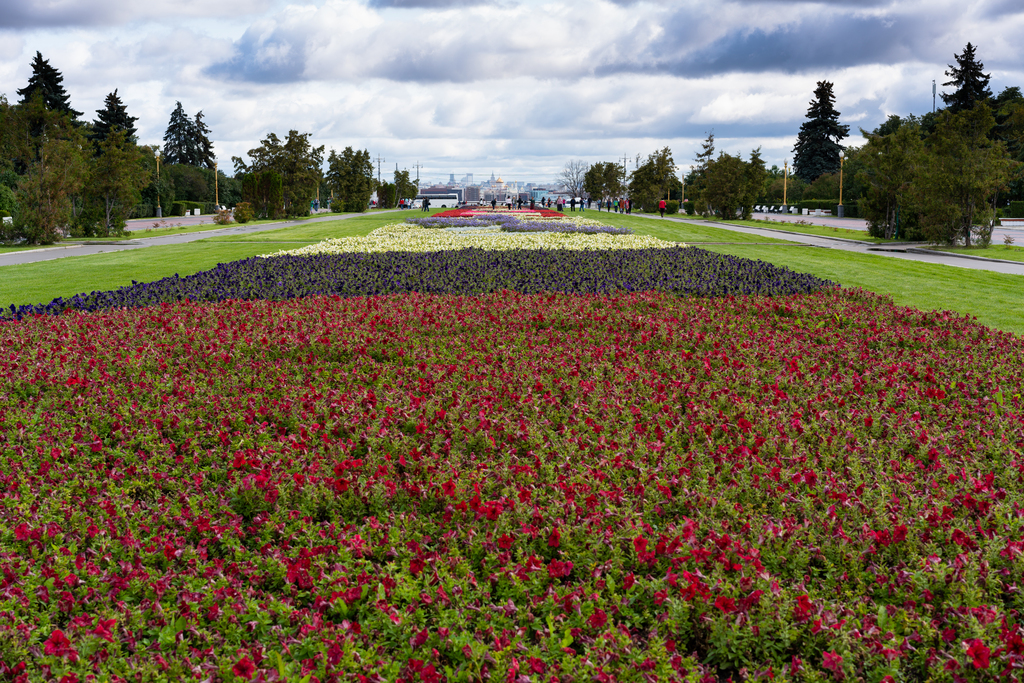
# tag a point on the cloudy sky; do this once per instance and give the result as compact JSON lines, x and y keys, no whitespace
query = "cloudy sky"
{"x":517,"y":87}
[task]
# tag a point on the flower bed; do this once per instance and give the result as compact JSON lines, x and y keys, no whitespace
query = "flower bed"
{"x":509,"y":487}
{"x":581,"y":269}
{"x":411,"y":237}
{"x":528,"y":222}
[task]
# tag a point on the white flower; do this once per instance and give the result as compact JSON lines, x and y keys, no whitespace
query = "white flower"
{"x":409,"y":237}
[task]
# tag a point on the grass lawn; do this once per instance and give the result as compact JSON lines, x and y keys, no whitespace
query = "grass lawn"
{"x":995,"y":299}
{"x":691,"y":232}
{"x":35,"y":283}
{"x":315,"y":232}
{"x":1001,"y":252}
{"x":817,"y":230}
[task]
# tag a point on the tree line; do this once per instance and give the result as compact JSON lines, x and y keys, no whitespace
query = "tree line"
{"x":940,"y":177}
{"x":62,"y":176}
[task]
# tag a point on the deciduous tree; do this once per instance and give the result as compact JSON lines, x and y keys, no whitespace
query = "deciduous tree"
{"x":298,"y":163}
{"x":46,"y":191}
{"x":572,"y":176}
{"x":115,"y":183}
{"x":350,"y":177}
{"x":891,"y":165}
{"x":964,"y":170}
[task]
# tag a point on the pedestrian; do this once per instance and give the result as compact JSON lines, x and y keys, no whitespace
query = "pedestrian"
{"x":572,"y":204}
{"x":582,"y":202}
{"x":661,"y":207}
{"x":629,"y":205}
{"x":531,"y":204}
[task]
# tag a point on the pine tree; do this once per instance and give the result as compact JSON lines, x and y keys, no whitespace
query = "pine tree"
{"x":46,"y":81}
{"x":180,"y":139}
{"x":970,"y":81}
{"x":204,"y":147}
{"x":817,"y":146}
{"x":113,"y":117}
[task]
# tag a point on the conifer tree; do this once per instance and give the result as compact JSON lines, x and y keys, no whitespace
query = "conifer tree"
{"x":180,"y":138}
{"x":113,"y":117}
{"x":203,"y":145}
{"x":47,"y":82}
{"x":817,"y":146}
{"x":970,"y":81}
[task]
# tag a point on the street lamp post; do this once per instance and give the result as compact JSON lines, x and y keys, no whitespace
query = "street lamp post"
{"x":159,"y":211}
{"x":785,"y":183}
{"x":842,"y":158}
{"x":216,"y":187}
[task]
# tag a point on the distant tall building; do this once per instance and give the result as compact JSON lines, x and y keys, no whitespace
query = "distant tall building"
{"x":467,"y":179}
{"x":451,"y":179}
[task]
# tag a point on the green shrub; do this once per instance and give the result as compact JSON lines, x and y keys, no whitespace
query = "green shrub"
{"x":222,"y":217}
{"x":671,"y":206}
{"x":1015,"y":210}
{"x":244,"y":212}
{"x":208,"y":208}
{"x":815,"y":204}
{"x":8,"y":200}
{"x":689,"y":208}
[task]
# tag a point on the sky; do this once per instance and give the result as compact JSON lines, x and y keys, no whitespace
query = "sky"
{"x":514,"y":88}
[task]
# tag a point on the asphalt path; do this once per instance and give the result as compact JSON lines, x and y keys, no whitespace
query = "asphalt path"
{"x":90,"y":248}
{"x":907,"y":252}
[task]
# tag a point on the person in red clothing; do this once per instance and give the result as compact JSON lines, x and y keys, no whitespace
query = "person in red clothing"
{"x":661,"y":207}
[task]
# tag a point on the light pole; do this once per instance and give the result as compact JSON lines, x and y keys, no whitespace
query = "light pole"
{"x":785,"y":183}
{"x":842,"y":158}
{"x":159,"y":211}
{"x":216,"y":187}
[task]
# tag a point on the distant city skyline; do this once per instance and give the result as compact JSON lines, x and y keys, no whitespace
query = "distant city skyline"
{"x":514,"y":87}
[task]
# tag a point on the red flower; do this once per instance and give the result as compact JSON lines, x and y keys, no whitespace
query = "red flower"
{"x":243,"y":668}
{"x":598,"y":619}
{"x":979,"y":654}
{"x":59,"y":645}
{"x":102,"y":629}
{"x":833,"y":663}
{"x":555,"y":539}
{"x":725,"y":604}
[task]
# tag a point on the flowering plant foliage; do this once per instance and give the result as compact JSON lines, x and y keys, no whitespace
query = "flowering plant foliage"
{"x":686,"y":271}
{"x":505,"y":487}
{"x":521,"y":222}
{"x":413,"y":237}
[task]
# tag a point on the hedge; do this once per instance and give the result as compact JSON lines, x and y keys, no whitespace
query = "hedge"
{"x":1014,"y":210}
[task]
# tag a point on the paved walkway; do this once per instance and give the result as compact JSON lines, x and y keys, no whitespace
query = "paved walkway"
{"x":127,"y":244}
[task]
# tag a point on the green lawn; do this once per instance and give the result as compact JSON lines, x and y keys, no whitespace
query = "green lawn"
{"x":37,"y":283}
{"x":315,"y":232}
{"x":1001,"y":252}
{"x":817,"y":230}
{"x":692,"y":232}
{"x":994,"y":299}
